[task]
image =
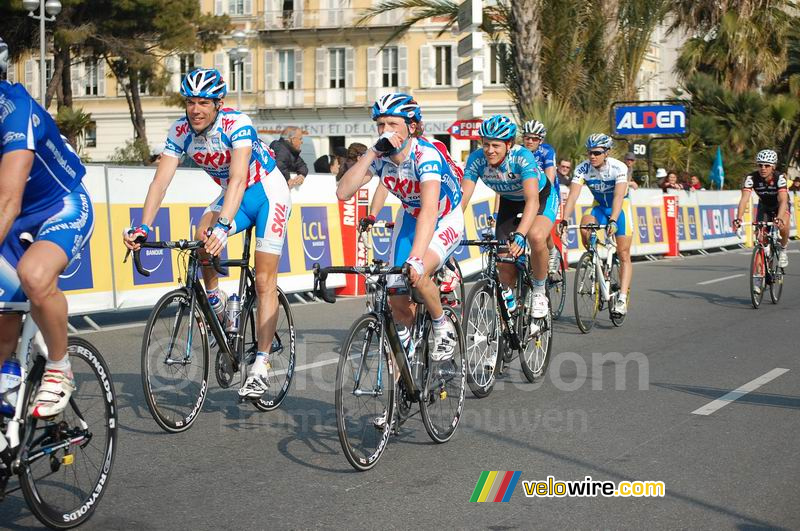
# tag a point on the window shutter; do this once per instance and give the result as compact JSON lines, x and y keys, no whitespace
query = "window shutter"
{"x":402,"y":66}
{"x":487,"y":61}
{"x":248,"y":72}
{"x":269,"y":72}
{"x":221,"y":64}
{"x":219,"y":7}
{"x":101,"y":78}
{"x":248,"y":7}
{"x":349,"y":74}
{"x":322,"y":70}
{"x":77,"y":81}
{"x":198,"y":60}
{"x":425,"y":62}
{"x":30,"y":78}
{"x":454,"y":65}
{"x":374,"y":72}
{"x":298,"y":68}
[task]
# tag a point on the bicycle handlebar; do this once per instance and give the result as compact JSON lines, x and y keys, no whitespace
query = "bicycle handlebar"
{"x":377,"y":268}
{"x":181,"y":245}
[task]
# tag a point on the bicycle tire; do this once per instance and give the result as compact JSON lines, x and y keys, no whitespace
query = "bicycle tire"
{"x":617,"y":319}
{"x":586,"y":291}
{"x":481,"y":329}
{"x":534,"y":357}
{"x":282,"y":359}
{"x":442,"y":399}
{"x":362,"y":442}
{"x":776,"y":278}
{"x":557,"y":289}
{"x":757,"y":263}
{"x":95,"y":457}
{"x":156,"y":395}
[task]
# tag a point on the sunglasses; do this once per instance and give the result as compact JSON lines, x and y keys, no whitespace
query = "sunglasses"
{"x":534,"y":138}
{"x":765,"y":165}
{"x":597,"y":153}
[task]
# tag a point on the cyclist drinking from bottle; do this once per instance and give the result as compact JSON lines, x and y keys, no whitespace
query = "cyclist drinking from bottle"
{"x":224,"y":143}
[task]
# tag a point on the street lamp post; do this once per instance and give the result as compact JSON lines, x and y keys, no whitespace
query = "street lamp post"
{"x":52,"y":8}
{"x":237,"y":55}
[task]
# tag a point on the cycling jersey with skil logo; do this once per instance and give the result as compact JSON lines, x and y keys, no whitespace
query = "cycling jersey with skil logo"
{"x":424,"y":163}
{"x":212,"y":150}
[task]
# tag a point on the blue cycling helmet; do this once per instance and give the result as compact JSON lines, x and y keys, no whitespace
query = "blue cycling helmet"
{"x":397,"y":104}
{"x":599,"y":140}
{"x":498,"y":127}
{"x":204,"y":83}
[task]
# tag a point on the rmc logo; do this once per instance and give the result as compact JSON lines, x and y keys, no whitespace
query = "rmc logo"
{"x":651,"y":120}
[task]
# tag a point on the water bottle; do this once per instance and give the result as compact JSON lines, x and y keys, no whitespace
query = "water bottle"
{"x":217,"y":307}
{"x":511,"y":301}
{"x":234,"y":310}
{"x":10,"y":378}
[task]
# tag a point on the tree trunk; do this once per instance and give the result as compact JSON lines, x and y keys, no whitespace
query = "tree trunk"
{"x":66,"y":79}
{"x":526,"y":46}
{"x":136,"y":100}
{"x":55,"y":81}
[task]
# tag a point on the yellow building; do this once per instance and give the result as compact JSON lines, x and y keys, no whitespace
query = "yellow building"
{"x":309,"y":64}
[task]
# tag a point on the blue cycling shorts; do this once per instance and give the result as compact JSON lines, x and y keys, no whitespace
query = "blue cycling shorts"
{"x":67,"y":223}
{"x":624,"y":223}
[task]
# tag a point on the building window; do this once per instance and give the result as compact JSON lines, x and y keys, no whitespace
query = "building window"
{"x":90,"y":79}
{"x":335,"y":142}
{"x":444,"y":139}
{"x":90,"y":135}
{"x":234,"y":67}
{"x":336,"y":61}
{"x":286,"y":69}
{"x":444,"y":66}
{"x":236,"y":7}
{"x":48,"y":70}
{"x":390,"y":66}
{"x":187,"y":64}
{"x":288,"y":13}
{"x":496,"y":74}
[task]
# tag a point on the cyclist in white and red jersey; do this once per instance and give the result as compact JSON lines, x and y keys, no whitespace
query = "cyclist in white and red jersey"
{"x":224,"y":143}
{"x":430,"y":225}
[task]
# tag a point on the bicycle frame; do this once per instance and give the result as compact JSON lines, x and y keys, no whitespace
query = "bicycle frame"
{"x":602,"y":265}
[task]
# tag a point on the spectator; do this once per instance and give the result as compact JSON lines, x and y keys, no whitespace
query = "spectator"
{"x":354,"y":152}
{"x":671,"y":182}
{"x":683,"y":180}
{"x":695,"y":184}
{"x":322,"y":164}
{"x":340,"y":153}
{"x":795,"y":185}
{"x":563,"y":171}
{"x":287,"y":155}
{"x":630,"y":160}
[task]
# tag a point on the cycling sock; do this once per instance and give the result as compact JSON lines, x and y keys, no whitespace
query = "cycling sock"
{"x":63,"y":365}
{"x":213,"y":294}
{"x":260,"y":365}
{"x":623,"y":297}
{"x":538,"y":286}
{"x":440,"y":323}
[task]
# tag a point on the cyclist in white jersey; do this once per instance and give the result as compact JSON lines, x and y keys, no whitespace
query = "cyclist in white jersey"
{"x":607,"y":178}
{"x":224,"y":143}
{"x":430,"y":226}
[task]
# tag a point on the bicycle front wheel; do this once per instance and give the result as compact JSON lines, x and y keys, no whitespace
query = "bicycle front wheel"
{"x":66,"y":461}
{"x":557,"y":288}
{"x":442,"y":398}
{"x":281,"y":354}
{"x":775,"y":278}
{"x":482,"y":338}
{"x":365,"y":394}
{"x":758,"y":270}
{"x":175,"y":362}
{"x":586,"y":293}
{"x":536,"y":338}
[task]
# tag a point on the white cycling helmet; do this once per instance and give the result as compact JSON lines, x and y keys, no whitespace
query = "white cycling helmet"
{"x":3,"y":57}
{"x":534,"y":127}
{"x":767,"y":156}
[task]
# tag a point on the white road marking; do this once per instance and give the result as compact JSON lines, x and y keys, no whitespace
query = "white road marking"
{"x":723,"y":401}
{"x":719,"y":279}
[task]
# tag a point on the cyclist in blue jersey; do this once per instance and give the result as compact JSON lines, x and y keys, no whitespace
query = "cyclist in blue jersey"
{"x":224,"y":143}
{"x":430,"y":226}
{"x":607,"y":178}
{"x":43,"y":200}
{"x":533,"y":134}
{"x":512,"y":171}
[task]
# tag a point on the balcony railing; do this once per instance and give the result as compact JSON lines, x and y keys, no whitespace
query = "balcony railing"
{"x":325,"y":97}
{"x":326,"y":19}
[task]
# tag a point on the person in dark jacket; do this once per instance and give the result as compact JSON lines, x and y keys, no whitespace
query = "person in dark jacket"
{"x":287,"y":155}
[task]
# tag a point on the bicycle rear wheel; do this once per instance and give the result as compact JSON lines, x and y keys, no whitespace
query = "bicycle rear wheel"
{"x":757,"y":276}
{"x":281,"y":355}
{"x":586,"y":293}
{"x":616,"y":318}
{"x":66,"y":461}
{"x":365,"y":391}
{"x":775,"y":278}
{"x":175,"y":362}
{"x":482,"y":338}
{"x":442,"y":398}
{"x":557,"y":288}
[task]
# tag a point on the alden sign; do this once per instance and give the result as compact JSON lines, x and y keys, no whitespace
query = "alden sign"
{"x":661,"y":119}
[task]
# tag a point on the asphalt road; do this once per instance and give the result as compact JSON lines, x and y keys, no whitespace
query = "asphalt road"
{"x":686,"y":342}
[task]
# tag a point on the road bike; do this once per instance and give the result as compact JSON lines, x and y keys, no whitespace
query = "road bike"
{"x":64,"y":463}
{"x":176,"y":344}
{"x":371,"y":399}
{"x":494,"y":336}
{"x":597,"y":281}
{"x":764,"y":268}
